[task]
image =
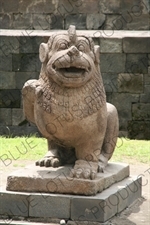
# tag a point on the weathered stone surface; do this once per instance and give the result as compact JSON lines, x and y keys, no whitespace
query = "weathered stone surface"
{"x":140,"y":22}
{"x":5,"y":116}
{"x":10,"y":98}
{"x":130,"y":83}
{"x":55,"y":206}
{"x":110,"y":82}
{"x":111,"y":45}
{"x":17,"y":117}
{"x":29,"y":44}
{"x":78,"y":6}
{"x":14,"y":204}
{"x":115,"y":22}
{"x":95,"y":21}
{"x":7,"y":80}
{"x":79,"y":20}
{"x":137,"y":63}
{"x":41,"y":21}
{"x":145,"y":97}
{"x":5,"y":21}
{"x":22,"y":77}
{"x":5,"y":62}
{"x":9,"y":45}
{"x":139,"y":129}
{"x":136,"y":45}
{"x":56,"y":22}
{"x":26,"y":62}
{"x":13,"y":131}
{"x":106,"y":204}
{"x":112,"y":63}
{"x":93,"y":209}
{"x":57,"y":180}
{"x":11,"y":6}
{"x":22,"y":21}
{"x":141,"y":111}
{"x":130,"y":6}
{"x":110,"y":6}
{"x":123,"y":109}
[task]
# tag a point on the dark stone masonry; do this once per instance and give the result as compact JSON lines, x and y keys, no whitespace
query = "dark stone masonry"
{"x":121,"y":27}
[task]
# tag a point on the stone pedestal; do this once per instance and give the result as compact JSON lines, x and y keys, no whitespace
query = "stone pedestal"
{"x":57,"y":180}
{"x":119,"y":191}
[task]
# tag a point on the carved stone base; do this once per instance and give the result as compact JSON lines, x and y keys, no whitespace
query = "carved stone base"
{"x":45,"y":207}
{"x":57,"y":180}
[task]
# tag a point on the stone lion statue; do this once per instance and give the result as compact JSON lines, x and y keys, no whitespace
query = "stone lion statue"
{"x":68,"y":105}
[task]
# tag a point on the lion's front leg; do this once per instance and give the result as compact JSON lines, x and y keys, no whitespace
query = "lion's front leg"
{"x":85,"y":169}
{"x":87,"y":163}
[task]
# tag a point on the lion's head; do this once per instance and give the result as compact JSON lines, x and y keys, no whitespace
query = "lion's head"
{"x":69,"y":60}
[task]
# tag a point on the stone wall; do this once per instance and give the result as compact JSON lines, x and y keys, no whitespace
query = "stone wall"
{"x":85,"y":14}
{"x":125,"y":68}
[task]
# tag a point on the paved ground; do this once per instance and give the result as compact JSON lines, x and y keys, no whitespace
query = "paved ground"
{"x":137,"y":214}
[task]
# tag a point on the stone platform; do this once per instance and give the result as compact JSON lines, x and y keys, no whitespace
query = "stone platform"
{"x":44,"y":206}
{"x":57,"y":180}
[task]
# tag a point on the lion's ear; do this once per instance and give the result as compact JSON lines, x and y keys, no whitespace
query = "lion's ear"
{"x":96,"y":53}
{"x":43,"y":52}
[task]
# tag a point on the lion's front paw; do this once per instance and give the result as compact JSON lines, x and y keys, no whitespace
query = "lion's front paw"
{"x":48,"y":162}
{"x":85,"y":169}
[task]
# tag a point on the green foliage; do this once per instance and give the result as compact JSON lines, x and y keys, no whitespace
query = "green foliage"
{"x":33,"y":148}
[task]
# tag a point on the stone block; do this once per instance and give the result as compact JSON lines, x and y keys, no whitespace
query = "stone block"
{"x":112,"y":63}
{"x":5,"y":62}
{"x":103,"y":206}
{"x":26,"y":62}
{"x":139,"y":129}
{"x":129,"y":192}
{"x":22,"y":21}
{"x":131,"y":83}
{"x":41,"y":21}
{"x":78,"y":6}
{"x":14,"y":204}
{"x":8,"y":45}
{"x":149,"y":70}
{"x":22,"y":77}
{"x":136,"y":45}
{"x":141,"y":111}
{"x":131,"y":6}
{"x":115,"y":22}
{"x":29,"y":44}
{"x":140,"y":22}
{"x":58,"y":180}
{"x":7,"y":80}
{"x":110,"y":82}
{"x":45,"y":205}
{"x":13,"y":131}
{"x":79,"y":20}
{"x":145,"y":96}
{"x":123,"y":109}
{"x":57,"y":22}
{"x":77,"y":209}
{"x":111,"y":45}
{"x":95,"y":21}
{"x":110,"y":6}
{"x":5,"y":117}
{"x":17,"y":117}
{"x":5,"y":21}
{"x":137,"y":63}
{"x":10,"y":6}
{"x":10,"y":98}
{"x":146,"y":81}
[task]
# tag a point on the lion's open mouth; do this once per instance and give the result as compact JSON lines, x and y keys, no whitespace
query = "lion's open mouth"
{"x":72,"y":72}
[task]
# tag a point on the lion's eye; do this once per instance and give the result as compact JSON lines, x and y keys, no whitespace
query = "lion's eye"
{"x":81,"y":48}
{"x":62,"y":46}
